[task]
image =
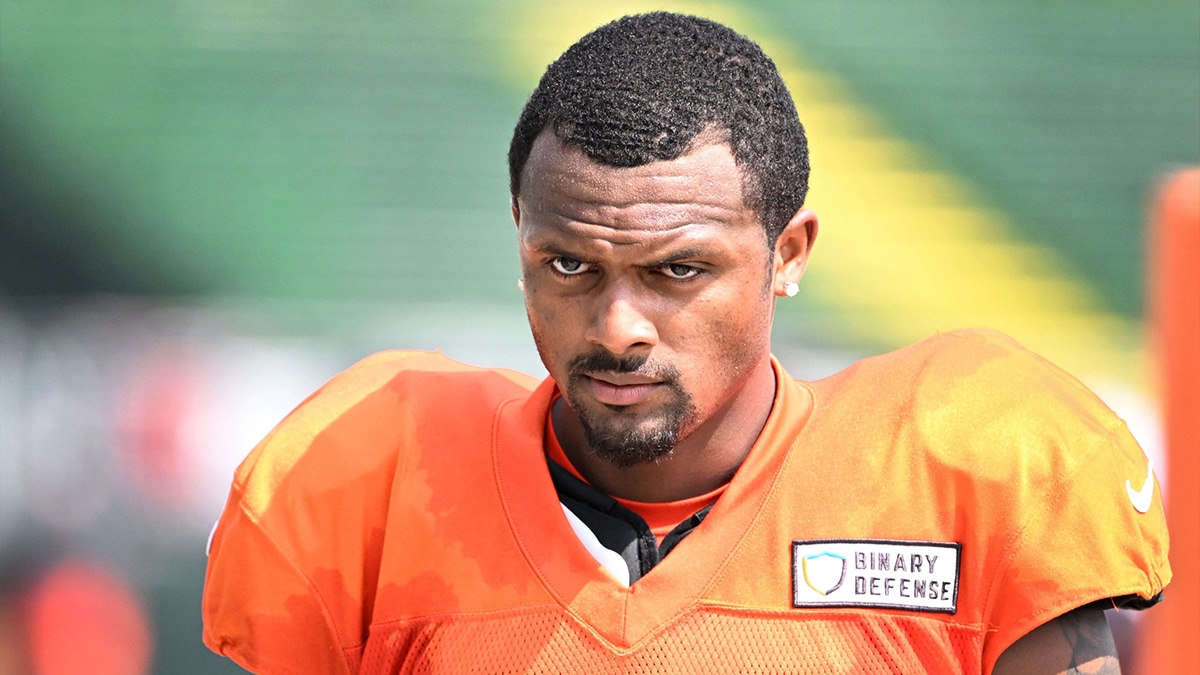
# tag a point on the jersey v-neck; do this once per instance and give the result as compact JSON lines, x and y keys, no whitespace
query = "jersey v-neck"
{"x":623,"y":615}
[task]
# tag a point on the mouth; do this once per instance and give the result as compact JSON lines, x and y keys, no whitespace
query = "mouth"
{"x":621,"y":389}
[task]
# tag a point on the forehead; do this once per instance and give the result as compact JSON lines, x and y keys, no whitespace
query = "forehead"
{"x":560,"y":184}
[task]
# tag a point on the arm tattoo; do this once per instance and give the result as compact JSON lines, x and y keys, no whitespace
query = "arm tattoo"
{"x":1092,"y":649}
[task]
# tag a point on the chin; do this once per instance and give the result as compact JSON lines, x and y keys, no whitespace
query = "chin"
{"x":627,"y":443}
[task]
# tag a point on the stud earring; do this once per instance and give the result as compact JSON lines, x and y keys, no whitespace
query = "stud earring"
{"x":791,"y":288}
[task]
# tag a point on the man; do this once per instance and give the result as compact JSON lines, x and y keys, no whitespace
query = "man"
{"x":669,"y":499}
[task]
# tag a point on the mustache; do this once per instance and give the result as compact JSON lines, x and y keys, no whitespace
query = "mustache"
{"x":603,"y":361}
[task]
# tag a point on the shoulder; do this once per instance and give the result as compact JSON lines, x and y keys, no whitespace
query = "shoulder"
{"x":975,"y":419}
{"x":978,"y":383}
{"x":361,"y":418}
{"x":1032,"y":473}
{"x":968,"y":357}
{"x":974,"y":414}
{"x":303,"y":531}
{"x":407,"y":372}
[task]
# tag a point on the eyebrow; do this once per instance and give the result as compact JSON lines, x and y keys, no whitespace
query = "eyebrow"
{"x":549,"y":245}
{"x":555,"y":249}
{"x":681,"y":254}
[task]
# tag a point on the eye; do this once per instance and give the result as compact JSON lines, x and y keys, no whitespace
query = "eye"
{"x":569,"y":266}
{"x":680,"y":271}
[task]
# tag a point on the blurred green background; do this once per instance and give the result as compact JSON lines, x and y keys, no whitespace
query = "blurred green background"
{"x":297,"y":169}
{"x":314,"y":150}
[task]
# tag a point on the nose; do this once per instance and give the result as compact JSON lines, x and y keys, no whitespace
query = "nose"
{"x":619,"y":324}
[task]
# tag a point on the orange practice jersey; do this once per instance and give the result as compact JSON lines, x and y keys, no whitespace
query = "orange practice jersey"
{"x":917,"y":512}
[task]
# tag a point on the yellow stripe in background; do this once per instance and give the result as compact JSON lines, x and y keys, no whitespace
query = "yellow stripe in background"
{"x":906,"y":249}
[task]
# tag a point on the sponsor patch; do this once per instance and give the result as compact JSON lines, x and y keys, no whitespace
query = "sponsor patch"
{"x":915,"y":575}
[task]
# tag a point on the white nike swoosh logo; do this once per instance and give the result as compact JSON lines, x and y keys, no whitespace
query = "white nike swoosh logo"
{"x":1141,"y":498}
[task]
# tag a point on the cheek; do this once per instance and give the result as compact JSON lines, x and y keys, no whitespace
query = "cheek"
{"x":550,"y":327}
{"x":723,"y":349}
{"x":741,"y":340}
{"x":741,"y":320}
{"x":539,"y":318}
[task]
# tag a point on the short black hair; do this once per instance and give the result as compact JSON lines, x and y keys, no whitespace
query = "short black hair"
{"x":642,"y":88}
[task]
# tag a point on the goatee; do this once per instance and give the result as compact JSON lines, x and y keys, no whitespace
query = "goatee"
{"x":615,"y":433}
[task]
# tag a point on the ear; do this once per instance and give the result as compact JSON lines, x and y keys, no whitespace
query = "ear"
{"x":516,"y":213}
{"x":792,"y":249}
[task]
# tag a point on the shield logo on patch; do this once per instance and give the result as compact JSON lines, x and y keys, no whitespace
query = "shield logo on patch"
{"x":824,"y":572}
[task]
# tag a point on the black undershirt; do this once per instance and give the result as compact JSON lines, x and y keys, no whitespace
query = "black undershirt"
{"x":616,"y":527}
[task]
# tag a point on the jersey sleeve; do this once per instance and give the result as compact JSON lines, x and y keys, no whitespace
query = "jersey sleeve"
{"x":286,"y":563}
{"x":1084,"y":522}
{"x":291,"y":554}
{"x":259,"y":609}
{"x":295,"y":561}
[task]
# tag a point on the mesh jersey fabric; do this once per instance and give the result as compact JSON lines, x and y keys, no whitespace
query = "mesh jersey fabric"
{"x":402,"y":520}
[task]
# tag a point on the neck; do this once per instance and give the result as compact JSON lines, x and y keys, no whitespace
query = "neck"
{"x":704,"y":459}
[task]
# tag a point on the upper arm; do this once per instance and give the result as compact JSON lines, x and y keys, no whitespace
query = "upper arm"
{"x":1076,"y":642}
{"x":260,"y":610}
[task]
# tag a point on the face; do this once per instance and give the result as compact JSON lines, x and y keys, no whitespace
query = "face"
{"x":650,"y":291}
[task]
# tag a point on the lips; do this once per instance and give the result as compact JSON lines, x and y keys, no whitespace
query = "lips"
{"x":621,"y":389}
